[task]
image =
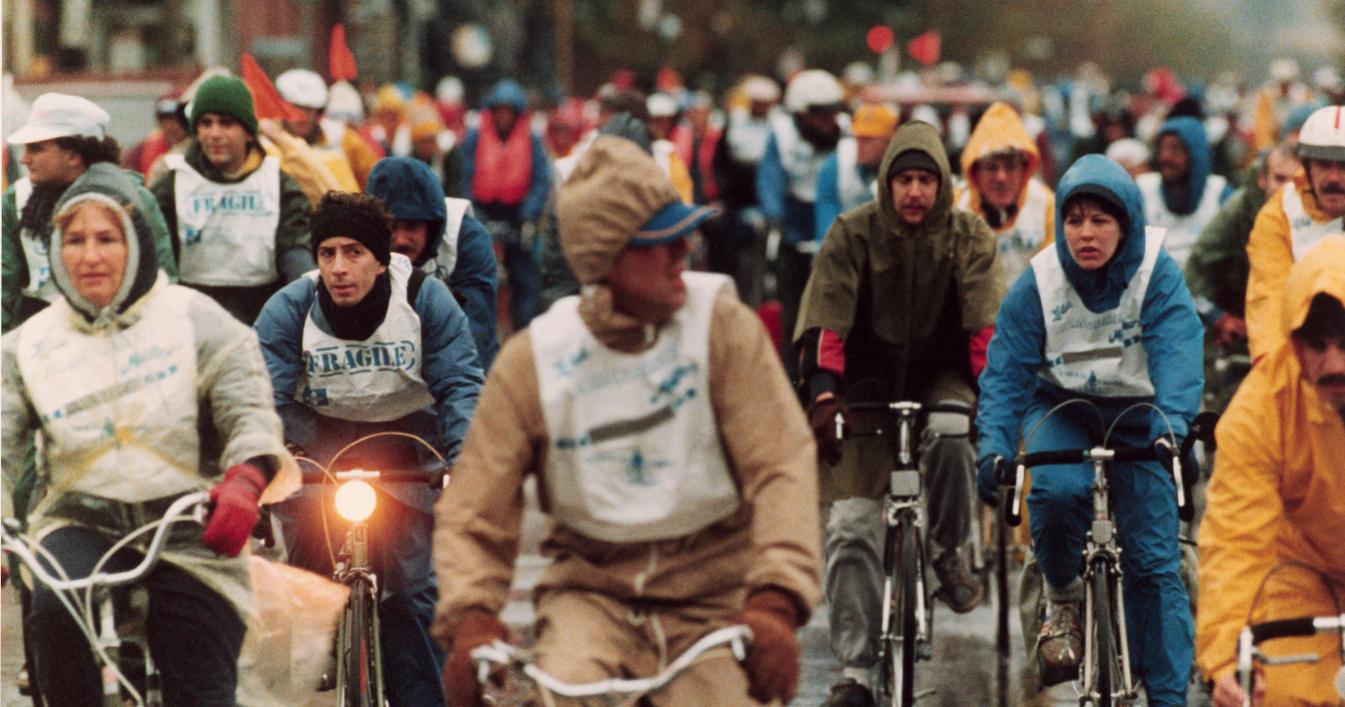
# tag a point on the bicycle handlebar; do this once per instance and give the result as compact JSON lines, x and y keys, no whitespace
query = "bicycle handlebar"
{"x":192,"y":503}
{"x":434,"y":475}
{"x":1254,"y":634}
{"x":896,"y":407}
{"x":1013,"y":506}
{"x":737,"y":637}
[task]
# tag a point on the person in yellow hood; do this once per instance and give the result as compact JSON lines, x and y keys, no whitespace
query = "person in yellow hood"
{"x":1277,"y":495}
{"x":1000,"y":162}
{"x":1293,"y":220}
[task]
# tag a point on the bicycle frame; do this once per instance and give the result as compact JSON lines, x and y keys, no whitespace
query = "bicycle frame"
{"x":1252,"y":636}
{"x":1101,"y":545}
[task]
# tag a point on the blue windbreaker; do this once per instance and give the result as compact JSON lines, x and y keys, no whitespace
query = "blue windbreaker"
{"x":412,"y":191}
{"x":1192,"y":134}
{"x":1170,"y":326}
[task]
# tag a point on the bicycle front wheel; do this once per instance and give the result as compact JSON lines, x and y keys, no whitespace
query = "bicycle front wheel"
{"x":1105,"y":672}
{"x":359,"y":678}
{"x":899,"y":670}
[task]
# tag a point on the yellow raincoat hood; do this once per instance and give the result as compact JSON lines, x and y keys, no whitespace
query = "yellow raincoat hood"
{"x":1000,"y":130}
{"x":1321,"y":271}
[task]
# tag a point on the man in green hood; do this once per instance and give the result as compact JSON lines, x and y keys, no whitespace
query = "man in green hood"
{"x":900,"y":306}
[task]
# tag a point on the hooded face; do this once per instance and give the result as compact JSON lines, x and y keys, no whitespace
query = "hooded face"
{"x":93,"y":251}
{"x":1000,"y":178}
{"x":647,"y":284}
{"x":1323,"y":363}
{"x":1174,"y":161}
{"x":408,"y":237}
{"x":925,"y":198}
{"x":1091,"y":233}
{"x":913,"y":194}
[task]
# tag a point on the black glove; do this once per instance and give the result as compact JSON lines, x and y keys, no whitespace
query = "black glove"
{"x":987,"y":478}
{"x":822,"y":418}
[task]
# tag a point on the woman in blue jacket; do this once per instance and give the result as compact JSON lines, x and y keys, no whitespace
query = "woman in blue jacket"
{"x":1109,"y":289}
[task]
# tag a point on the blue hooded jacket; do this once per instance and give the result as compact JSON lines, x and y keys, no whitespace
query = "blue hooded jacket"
{"x":412,"y":192}
{"x":1168,"y":321}
{"x":1192,"y":134}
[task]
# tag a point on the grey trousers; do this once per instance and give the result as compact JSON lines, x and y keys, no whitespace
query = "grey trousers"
{"x":854,"y":530}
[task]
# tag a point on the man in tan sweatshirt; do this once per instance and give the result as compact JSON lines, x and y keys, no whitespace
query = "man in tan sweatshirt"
{"x":672,"y":458}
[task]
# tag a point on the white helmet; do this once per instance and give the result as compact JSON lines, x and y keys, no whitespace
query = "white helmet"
{"x":1323,"y":135}
{"x":303,"y":88}
{"x":661,"y":105}
{"x":813,"y":87}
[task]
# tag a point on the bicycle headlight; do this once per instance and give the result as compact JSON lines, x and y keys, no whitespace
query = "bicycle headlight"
{"x":355,"y":500}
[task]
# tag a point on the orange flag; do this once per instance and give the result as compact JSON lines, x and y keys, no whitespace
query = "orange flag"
{"x":925,"y":48}
{"x":340,"y":60}
{"x":266,"y":101}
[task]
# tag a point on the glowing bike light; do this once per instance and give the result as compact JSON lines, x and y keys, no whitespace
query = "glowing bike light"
{"x":355,"y":500}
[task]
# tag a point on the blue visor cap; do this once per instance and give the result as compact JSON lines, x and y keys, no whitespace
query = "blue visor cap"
{"x":674,"y":221}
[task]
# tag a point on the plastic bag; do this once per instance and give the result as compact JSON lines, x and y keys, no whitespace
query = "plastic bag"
{"x":289,"y":634}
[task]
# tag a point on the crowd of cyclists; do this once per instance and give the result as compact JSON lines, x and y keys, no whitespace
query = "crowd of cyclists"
{"x":661,"y":305}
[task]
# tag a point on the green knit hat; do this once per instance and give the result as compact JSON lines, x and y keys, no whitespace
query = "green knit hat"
{"x":224,"y":94}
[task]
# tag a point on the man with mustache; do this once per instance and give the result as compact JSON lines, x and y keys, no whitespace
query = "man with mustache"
{"x":1276,"y":495}
{"x":1183,"y":195}
{"x":1290,"y":223}
{"x":240,"y":226}
{"x":900,"y":306}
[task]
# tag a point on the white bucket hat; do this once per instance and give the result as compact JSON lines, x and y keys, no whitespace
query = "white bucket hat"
{"x":56,"y":115}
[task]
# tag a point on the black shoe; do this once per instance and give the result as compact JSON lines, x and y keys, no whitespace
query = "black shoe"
{"x":959,"y":590}
{"x":849,"y":693}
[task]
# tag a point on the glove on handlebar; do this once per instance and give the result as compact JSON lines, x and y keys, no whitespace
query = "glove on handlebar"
{"x":987,"y":478}
{"x":822,"y":419}
{"x":235,"y":509}
{"x":478,"y":628}
{"x":773,"y":660}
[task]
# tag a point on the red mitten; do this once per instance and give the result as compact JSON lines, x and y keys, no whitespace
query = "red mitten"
{"x":235,"y":509}
{"x":773,"y":660}
{"x":478,"y":628}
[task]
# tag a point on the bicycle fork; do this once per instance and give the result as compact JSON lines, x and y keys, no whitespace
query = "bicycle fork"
{"x":1101,"y":544}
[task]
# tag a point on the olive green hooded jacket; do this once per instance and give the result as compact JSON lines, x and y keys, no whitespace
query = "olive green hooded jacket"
{"x":906,"y":301}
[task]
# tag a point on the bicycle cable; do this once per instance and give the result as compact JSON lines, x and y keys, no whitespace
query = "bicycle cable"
{"x":1102,"y":421}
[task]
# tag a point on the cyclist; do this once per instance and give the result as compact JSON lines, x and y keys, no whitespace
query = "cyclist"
{"x":1309,"y":209}
{"x":1001,"y":163}
{"x":670,"y":455}
{"x":142,"y":391}
{"x":1275,"y":495}
{"x":849,"y":177}
{"x":440,"y":236}
{"x":63,"y":137}
{"x":368,"y":344}
{"x":306,"y":93}
{"x":939,"y":264}
{"x":1104,"y":316}
{"x":1183,"y":194}
{"x":240,"y":226}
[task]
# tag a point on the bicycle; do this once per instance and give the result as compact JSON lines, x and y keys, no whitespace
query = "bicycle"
{"x":358,"y":678}
{"x":907,"y":623}
{"x":1106,"y":677}
{"x":106,"y":642}
{"x":618,"y":691}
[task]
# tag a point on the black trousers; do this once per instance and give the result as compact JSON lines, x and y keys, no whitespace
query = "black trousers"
{"x":194,"y":634}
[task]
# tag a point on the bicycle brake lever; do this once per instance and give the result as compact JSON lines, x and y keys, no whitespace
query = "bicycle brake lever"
{"x":1177,"y":479}
{"x":840,"y":426}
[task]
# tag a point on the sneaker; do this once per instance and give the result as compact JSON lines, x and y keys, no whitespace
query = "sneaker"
{"x":958,"y":589}
{"x":849,"y":693}
{"x":1060,"y":644}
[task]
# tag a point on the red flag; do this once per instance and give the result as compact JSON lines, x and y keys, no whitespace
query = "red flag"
{"x":340,"y":60}
{"x":266,"y":101}
{"x":925,"y":48}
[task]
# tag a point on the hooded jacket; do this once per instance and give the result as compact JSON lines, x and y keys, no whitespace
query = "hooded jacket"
{"x":1184,"y":215}
{"x":890,"y":308}
{"x":1168,"y":323}
{"x":1001,"y":130}
{"x":1276,"y":496}
{"x":411,"y":191}
{"x":1270,"y":250}
{"x":16,"y":306}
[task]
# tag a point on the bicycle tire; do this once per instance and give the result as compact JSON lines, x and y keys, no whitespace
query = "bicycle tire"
{"x":1104,"y":640}
{"x":899,"y":670}
{"x":358,"y":682}
{"x":1002,"y":598}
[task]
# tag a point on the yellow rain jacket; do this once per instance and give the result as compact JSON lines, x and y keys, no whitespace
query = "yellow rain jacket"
{"x":1032,"y":226}
{"x":1270,"y":250}
{"x":1278,"y":496}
